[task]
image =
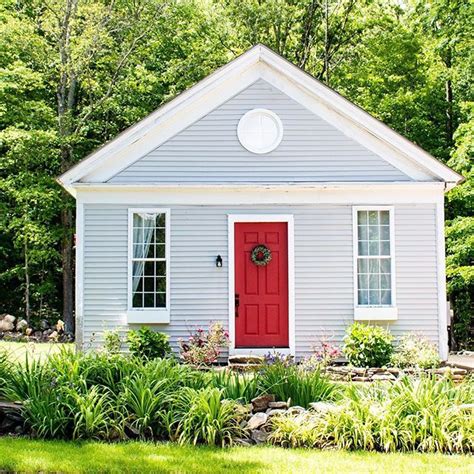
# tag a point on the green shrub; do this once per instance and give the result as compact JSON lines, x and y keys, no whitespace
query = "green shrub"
{"x":367,"y":346}
{"x":415,"y":351}
{"x":295,"y":384}
{"x":411,"y":415}
{"x":206,"y":417}
{"x":149,"y":344}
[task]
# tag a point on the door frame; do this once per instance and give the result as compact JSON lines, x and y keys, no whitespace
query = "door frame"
{"x":258,"y":218}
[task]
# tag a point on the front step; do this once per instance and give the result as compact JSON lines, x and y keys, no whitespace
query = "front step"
{"x":245,"y":363}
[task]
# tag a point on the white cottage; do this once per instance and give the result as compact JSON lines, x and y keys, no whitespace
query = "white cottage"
{"x":263,"y":199}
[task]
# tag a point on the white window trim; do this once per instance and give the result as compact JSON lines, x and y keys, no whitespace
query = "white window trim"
{"x":246,"y":140}
{"x":232,"y":220}
{"x":148,"y":315}
{"x":375,"y":313}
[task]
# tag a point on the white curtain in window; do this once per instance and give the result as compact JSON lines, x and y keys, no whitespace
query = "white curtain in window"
{"x":143,"y":228}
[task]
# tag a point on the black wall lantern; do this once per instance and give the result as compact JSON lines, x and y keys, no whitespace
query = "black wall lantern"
{"x":218,"y":261}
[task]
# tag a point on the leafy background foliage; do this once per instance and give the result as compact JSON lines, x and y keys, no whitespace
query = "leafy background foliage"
{"x":74,"y":73}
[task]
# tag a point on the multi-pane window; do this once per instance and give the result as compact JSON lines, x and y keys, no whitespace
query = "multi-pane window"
{"x":374,"y":261}
{"x":148,"y":260}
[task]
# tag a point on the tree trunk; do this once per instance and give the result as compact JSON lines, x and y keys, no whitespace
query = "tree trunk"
{"x":449,"y":100}
{"x":68,"y":270}
{"x":326,"y":43}
{"x":27,"y":286}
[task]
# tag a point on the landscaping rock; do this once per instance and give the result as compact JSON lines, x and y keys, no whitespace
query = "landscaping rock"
{"x":28,"y":332}
{"x":296,"y":410}
{"x":257,"y":420}
{"x":322,"y":407}
{"x":7,"y":323}
{"x":11,"y":420}
{"x":279,"y":405}
{"x":259,"y":436}
{"x":261,"y":403}
{"x":44,"y":324}
{"x":382,"y":377}
{"x":242,"y":442}
{"x":275,"y":411}
{"x":53,"y":335}
{"x":22,"y":325}
{"x":361,"y":379}
{"x":454,"y":373}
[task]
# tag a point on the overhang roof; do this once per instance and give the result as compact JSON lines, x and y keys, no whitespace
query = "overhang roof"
{"x":259,"y":62}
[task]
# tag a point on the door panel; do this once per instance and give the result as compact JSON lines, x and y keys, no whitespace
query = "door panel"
{"x":261,"y":318}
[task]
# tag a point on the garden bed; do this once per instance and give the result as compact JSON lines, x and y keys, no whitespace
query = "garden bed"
{"x":114,"y":397}
{"x":150,"y":395}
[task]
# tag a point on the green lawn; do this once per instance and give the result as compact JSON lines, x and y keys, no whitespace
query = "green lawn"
{"x":17,"y":351}
{"x":23,"y":455}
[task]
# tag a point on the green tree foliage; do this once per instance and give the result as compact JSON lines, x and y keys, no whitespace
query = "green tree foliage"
{"x":74,"y":73}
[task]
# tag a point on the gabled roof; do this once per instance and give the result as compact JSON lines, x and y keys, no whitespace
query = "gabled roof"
{"x":258,"y":62}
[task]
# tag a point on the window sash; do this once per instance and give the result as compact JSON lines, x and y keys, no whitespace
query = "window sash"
{"x":148,"y":287}
{"x":373,"y":228}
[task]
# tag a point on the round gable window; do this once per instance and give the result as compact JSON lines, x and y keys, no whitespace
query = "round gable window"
{"x":260,"y":131}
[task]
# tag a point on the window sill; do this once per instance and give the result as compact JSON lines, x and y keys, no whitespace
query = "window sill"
{"x":153,"y":316}
{"x":368,"y":313}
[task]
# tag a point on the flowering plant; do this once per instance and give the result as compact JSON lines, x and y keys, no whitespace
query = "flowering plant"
{"x":322,"y":356}
{"x":203,"y":347}
{"x":279,"y":358}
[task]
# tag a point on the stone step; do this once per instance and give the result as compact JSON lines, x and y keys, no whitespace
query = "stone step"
{"x":246,"y":359}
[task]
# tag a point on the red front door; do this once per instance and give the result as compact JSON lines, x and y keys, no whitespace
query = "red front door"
{"x":261,"y":291}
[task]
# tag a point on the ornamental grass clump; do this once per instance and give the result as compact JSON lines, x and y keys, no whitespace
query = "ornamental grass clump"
{"x":293,"y":383}
{"x":235,"y":386}
{"x":205,"y":416}
{"x":5,"y":373}
{"x":367,"y":346}
{"x":427,"y":415}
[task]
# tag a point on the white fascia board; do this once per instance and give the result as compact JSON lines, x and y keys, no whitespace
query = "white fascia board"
{"x":380,"y":194}
{"x":356,"y":115}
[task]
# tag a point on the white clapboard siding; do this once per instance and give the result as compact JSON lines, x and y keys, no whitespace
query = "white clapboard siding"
{"x":323,"y":269}
{"x":209,"y":151}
